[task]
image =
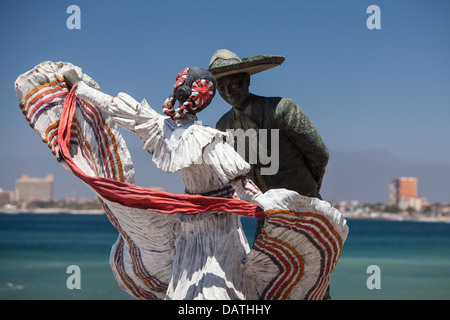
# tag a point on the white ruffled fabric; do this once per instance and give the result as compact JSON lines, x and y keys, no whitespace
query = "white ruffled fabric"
{"x":197,"y":152}
{"x":203,"y":256}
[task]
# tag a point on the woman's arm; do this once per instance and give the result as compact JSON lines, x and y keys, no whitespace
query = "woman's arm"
{"x":122,"y":109}
{"x":245,"y":187}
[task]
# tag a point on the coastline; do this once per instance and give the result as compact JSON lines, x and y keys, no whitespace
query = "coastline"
{"x":350,"y":215}
{"x":395,"y":217}
{"x":52,"y":211}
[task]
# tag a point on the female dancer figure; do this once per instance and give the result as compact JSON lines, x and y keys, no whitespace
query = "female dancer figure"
{"x":203,"y":255}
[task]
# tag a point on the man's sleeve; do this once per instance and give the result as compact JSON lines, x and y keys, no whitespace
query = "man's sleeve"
{"x":221,"y":124}
{"x":300,"y":130}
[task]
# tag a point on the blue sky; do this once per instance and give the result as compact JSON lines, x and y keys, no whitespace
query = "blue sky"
{"x":386,"y":89}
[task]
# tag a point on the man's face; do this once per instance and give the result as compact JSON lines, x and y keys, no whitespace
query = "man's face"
{"x":234,"y":89}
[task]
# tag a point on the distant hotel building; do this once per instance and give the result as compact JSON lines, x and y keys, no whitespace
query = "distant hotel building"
{"x":5,"y":197}
{"x":37,"y":189}
{"x":402,"y":192}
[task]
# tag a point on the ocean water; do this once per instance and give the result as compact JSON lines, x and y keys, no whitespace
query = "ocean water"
{"x":36,"y":250}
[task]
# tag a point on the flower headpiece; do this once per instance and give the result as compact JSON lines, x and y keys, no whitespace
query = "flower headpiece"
{"x":194,"y":89}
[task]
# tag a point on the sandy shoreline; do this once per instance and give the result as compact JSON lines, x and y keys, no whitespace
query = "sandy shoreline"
{"x":395,"y":217}
{"x":350,"y":215}
{"x":51,"y":211}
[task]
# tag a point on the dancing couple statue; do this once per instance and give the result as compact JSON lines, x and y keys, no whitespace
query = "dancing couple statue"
{"x":192,"y":245}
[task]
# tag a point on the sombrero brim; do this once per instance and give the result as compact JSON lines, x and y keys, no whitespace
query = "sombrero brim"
{"x":251,"y":65}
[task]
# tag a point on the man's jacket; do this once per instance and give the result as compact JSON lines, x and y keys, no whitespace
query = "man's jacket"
{"x":302,"y":153}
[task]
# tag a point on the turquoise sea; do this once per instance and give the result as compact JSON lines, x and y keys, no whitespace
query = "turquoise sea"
{"x":36,"y":250}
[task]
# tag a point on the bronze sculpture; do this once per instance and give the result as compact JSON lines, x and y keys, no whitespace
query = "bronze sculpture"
{"x":187,"y":246}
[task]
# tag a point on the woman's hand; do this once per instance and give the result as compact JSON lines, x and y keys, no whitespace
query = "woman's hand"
{"x":71,"y":78}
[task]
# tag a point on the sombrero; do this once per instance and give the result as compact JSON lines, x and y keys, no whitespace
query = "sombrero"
{"x":224,"y":62}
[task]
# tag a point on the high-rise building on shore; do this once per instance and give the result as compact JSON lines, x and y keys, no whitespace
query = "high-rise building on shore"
{"x":6,"y":197}
{"x":34,"y":189}
{"x":402,"y":192}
